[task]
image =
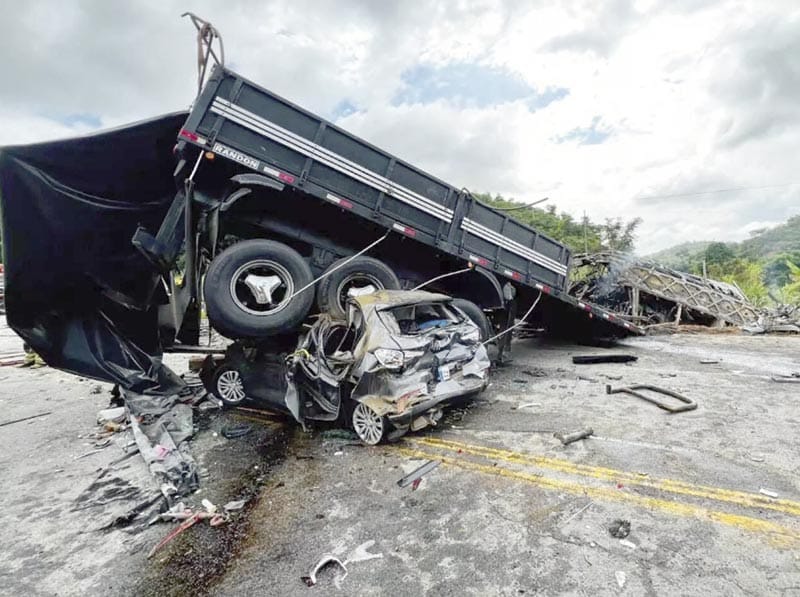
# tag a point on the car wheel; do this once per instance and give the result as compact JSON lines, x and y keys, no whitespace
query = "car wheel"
{"x":476,"y":314}
{"x":249,"y":289}
{"x":227,"y":385}
{"x":370,"y":427}
{"x":359,"y":274}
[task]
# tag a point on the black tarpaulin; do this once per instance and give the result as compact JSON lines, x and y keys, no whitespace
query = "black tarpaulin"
{"x":76,"y":289}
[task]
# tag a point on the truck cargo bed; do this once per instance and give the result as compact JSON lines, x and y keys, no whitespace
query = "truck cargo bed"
{"x":247,"y":124}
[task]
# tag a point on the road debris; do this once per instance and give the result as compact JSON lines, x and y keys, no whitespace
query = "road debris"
{"x":767,"y":493}
{"x":12,"y":422}
{"x":621,"y":578}
{"x":709,"y":361}
{"x":619,"y":528}
{"x":362,"y":554}
{"x":89,"y":453}
{"x":688,"y":404}
{"x":525,"y":405}
{"x":417,"y":473}
{"x":10,"y":359}
{"x":161,"y":425}
{"x":359,"y":554}
{"x":326,"y":560}
{"x":647,"y":293}
{"x":578,"y":513}
{"x":235,"y":431}
{"x":190,"y":517}
{"x":628,"y":544}
{"x":792,"y":378}
{"x":234,"y":506}
{"x":568,"y":438}
{"x":782,"y":318}
{"x":111,"y":415}
{"x":604,"y":358}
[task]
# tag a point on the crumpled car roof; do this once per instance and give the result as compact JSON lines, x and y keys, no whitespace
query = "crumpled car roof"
{"x":388,"y":299}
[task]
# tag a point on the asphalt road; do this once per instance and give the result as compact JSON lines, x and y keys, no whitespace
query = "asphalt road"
{"x":509,"y":511}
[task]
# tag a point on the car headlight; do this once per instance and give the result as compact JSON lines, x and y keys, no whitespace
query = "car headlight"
{"x":389,"y":357}
{"x":473,"y":335}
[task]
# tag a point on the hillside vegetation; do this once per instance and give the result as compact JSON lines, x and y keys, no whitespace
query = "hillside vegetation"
{"x":582,"y":236}
{"x":765,"y":266}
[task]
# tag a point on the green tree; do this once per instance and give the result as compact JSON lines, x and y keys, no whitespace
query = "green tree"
{"x":777,"y":270}
{"x":579,"y":235}
{"x":718,"y":254}
{"x":618,"y":235}
{"x":747,"y":275}
{"x":791,"y":291}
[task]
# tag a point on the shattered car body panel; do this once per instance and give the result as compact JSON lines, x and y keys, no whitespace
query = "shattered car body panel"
{"x":418,"y":351}
{"x":401,"y":354}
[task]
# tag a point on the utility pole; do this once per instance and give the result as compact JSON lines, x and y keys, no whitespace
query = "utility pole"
{"x":585,"y":239}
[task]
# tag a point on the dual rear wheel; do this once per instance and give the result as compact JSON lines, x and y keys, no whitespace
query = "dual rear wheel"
{"x":259,"y":288}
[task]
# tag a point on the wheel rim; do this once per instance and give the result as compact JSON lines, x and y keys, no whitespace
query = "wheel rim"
{"x":367,"y":424}
{"x":279,"y":297}
{"x":356,"y":281}
{"x":230,"y":387}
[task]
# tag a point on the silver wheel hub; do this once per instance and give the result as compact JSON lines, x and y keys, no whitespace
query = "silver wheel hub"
{"x":357,"y":284}
{"x":230,"y":386}
{"x":262,"y":287}
{"x":367,"y":424}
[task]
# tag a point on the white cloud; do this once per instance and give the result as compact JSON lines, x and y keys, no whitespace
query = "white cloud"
{"x":696,"y":95}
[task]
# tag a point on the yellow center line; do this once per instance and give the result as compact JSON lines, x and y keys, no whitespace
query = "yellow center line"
{"x":739,"y":498}
{"x":779,"y":536}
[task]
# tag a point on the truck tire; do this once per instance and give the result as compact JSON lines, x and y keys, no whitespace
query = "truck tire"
{"x":476,"y":314}
{"x":233,"y":307}
{"x":358,"y":273}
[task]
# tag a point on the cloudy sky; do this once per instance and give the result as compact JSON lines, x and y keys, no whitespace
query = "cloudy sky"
{"x":613,"y":108}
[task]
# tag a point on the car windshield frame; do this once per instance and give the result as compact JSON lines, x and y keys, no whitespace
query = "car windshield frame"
{"x":392,"y":323}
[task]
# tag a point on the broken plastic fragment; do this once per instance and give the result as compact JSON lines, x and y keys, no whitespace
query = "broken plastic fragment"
{"x":361,"y":553}
{"x":234,"y":506}
{"x":621,"y":578}
{"x":311,"y":579}
{"x":111,"y":415}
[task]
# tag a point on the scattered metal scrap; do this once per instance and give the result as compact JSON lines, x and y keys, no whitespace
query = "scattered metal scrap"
{"x":792,"y":378}
{"x":4,"y":423}
{"x":651,"y":294}
{"x":418,"y":473}
{"x":688,"y":403}
{"x":568,"y":438}
{"x":604,"y":358}
{"x":783,"y":318}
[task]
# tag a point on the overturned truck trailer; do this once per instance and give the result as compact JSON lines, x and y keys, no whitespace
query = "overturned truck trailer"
{"x":651,"y":294}
{"x":274,"y":213}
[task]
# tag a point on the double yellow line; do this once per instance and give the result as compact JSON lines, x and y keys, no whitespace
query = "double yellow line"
{"x":779,"y":535}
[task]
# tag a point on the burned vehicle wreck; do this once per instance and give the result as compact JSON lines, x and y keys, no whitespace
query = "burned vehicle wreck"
{"x":396,"y":361}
